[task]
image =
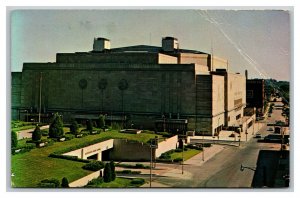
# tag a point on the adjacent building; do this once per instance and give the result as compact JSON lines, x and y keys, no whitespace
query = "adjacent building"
{"x":163,"y":88}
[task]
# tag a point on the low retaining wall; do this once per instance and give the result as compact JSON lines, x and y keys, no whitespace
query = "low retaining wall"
{"x":84,"y":180}
{"x":166,"y":145}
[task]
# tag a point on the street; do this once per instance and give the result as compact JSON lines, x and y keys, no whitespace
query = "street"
{"x":223,"y":170}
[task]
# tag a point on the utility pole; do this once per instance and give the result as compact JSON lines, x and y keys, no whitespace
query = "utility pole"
{"x":40,"y":105}
{"x":150,"y":162}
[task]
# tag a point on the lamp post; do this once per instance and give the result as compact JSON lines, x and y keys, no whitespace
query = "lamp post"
{"x":182,"y":159}
{"x":253,"y":123}
{"x":218,"y":128}
{"x":40,"y":105}
{"x":150,"y":162}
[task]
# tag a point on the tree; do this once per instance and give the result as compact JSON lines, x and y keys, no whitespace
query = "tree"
{"x":89,"y":125}
{"x":74,"y":127}
{"x":37,"y":134}
{"x":112,"y":168}
{"x":180,"y":144}
{"x":14,"y":139}
{"x":107,"y":173}
{"x":56,"y":127}
{"x":101,"y":121}
{"x":64,"y":183}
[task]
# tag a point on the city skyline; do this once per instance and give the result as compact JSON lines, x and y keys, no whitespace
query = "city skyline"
{"x":256,"y":40}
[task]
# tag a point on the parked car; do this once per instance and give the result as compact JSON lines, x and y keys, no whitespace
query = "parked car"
{"x":258,"y":135}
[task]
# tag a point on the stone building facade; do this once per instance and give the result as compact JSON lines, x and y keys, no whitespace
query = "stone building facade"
{"x":141,"y":86}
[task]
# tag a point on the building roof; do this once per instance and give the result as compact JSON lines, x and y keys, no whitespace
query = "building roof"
{"x":148,"y":48}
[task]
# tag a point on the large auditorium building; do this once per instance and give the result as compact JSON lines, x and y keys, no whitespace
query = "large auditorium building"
{"x":163,"y":88}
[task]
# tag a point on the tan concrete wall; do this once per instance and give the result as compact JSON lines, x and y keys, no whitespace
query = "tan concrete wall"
{"x":123,"y":57}
{"x":236,"y":90}
{"x":166,"y":145}
{"x":218,"y":63}
{"x":162,"y":59}
{"x":160,"y":88}
{"x":201,"y":59}
{"x":130,"y":150}
{"x":218,"y":102}
{"x":84,"y":180}
{"x":85,"y":152}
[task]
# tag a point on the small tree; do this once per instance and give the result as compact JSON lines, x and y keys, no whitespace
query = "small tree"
{"x":14,"y":139}
{"x":101,"y":121}
{"x":107,"y":173}
{"x":74,"y":127}
{"x":112,"y":168}
{"x":180,"y":144}
{"x":89,"y":125}
{"x":37,"y":134}
{"x":64,"y":183}
{"x":56,"y":127}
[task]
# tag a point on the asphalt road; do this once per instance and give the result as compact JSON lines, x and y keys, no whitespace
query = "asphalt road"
{"x":223,"y":170}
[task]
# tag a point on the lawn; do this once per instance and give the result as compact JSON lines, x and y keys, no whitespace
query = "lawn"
{"x":186,"y":154}
{"x":117,"y":183}
{"x":17,"y":125}
{"x":32,"y":167}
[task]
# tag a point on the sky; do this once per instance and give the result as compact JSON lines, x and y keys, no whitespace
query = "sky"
{"x":255,"y":40}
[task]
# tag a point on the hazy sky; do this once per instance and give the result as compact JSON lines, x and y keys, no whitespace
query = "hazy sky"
{"x":258,"y":41}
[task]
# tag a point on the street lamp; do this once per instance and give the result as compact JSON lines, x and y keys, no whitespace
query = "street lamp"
{"x":242,"y":168}
{"x":218,"y":128}
{"x":182,"y":159}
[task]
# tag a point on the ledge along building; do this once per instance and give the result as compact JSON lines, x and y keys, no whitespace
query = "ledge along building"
{"x":147,"y":87}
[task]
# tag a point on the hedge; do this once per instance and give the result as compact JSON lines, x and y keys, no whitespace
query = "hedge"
{"x":140,"y":181}
{"x":68,"y":157}
{"x":128,"y":172}
{"x":94,"y":166}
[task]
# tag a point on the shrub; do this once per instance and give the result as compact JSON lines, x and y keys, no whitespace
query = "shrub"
{"x":89,"y":125}
{"x":64,"y":183}
{"x":128,"y":172}
{"x":56,"y":127}
{"x":14,"y":139}
{"x":68,"y":157}
{"x":74,"y":127}
{"x":139,"y":166}
{"x":69,"y":136}
{"x":37,"y":134}
{"x":107,"y":173}
{"x":139,"y":181}
{"x":164,"y":160}
{"x":49,"y":183}
{"x":206,"y":144}
{"x":101,"y":121}
{"x":94,"y":182}
{"x":94,"y":166}
{"x":178,"y":159}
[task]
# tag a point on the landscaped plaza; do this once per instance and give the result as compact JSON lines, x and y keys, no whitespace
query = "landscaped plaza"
{"x":33,"y":163}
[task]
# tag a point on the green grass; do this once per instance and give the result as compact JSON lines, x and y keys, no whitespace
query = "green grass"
{"x":32,"y":167}
{"x":118,"y":183}
{"x":18,"y":129}
{"x":186,"y":154}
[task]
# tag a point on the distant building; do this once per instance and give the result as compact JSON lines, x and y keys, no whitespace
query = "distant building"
{"x":164,"y":88}
{"x":255,"y":93}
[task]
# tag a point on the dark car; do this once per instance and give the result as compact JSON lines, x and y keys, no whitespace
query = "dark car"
{"x":258,"y":135}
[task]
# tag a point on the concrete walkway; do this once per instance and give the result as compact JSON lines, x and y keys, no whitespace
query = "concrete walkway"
{"x":224,"y":135}
{"x":175,"y":170}
{"x":28,"y":132}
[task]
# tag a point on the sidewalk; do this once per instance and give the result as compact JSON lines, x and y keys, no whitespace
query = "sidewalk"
{"x":224,"y":135}
{"x":28,"y":132}
{"x":175,"y":172}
